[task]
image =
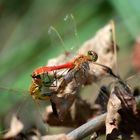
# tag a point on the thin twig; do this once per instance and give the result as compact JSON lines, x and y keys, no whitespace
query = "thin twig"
{"x":87,"y":128}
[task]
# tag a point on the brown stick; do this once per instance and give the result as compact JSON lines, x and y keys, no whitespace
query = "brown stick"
{"x":87,"y":128}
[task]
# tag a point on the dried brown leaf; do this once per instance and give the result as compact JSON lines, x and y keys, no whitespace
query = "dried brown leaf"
{"x":56,"y":137}
{"x":80,"y":112}
{"x":15,"y":128}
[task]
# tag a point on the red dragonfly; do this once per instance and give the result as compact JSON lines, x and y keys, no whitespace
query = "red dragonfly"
{"x":42,"y":81}
{"x":38,"y":77}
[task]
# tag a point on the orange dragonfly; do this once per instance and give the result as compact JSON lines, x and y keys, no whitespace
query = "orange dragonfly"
{"x":42,"y":80}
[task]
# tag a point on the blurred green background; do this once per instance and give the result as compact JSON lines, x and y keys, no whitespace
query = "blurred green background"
{"x":25,"y":43}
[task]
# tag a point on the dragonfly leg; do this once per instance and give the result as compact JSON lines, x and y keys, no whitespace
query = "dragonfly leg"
{"x":107,"y":70}
{"x":53,"y":80}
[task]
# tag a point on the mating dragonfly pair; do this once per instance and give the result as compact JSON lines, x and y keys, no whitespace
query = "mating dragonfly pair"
{"x":42,"y":80}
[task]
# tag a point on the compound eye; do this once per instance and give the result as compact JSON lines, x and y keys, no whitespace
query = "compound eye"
{"x":36,"y":76}
{"x":90,"y":52}
{"x":93,"y":55}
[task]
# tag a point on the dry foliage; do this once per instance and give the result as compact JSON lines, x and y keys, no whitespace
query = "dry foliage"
{"x":73,"y":111}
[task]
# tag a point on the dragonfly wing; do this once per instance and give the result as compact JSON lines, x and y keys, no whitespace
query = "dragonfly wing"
{"x":134,"y":82}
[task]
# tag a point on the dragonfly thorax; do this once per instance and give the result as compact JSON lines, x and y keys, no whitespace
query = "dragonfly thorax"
{"x":121,"y":87}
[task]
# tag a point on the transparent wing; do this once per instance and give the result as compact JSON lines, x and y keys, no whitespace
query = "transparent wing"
{"x":71,"y":33}
{"x":10,"y":97}
{"x":134,"y":82}
{"x":56,"y":39}
{"x":68,"y":33}
{"x":20,"y":103}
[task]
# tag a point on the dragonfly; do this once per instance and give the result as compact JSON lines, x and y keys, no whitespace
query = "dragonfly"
{"x":42,"y":81}
{"x":41,"y":77}
{"x":45,"y":77}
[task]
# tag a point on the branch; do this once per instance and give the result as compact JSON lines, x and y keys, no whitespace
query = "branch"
{"x":82,"y":131}
{"x":87,"y":128}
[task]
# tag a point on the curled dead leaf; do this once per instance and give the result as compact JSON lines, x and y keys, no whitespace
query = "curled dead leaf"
{"x":15,"y":128}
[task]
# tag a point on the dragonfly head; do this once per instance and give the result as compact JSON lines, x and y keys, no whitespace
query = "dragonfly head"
{"x":36,"y":78}
{"x":38,"y":92}
{"x":93,"y":55}
{"x":35,"y":86}
{"x":38,"y":89}
{"x":34,"y":89}
{"x":35,"y":75}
